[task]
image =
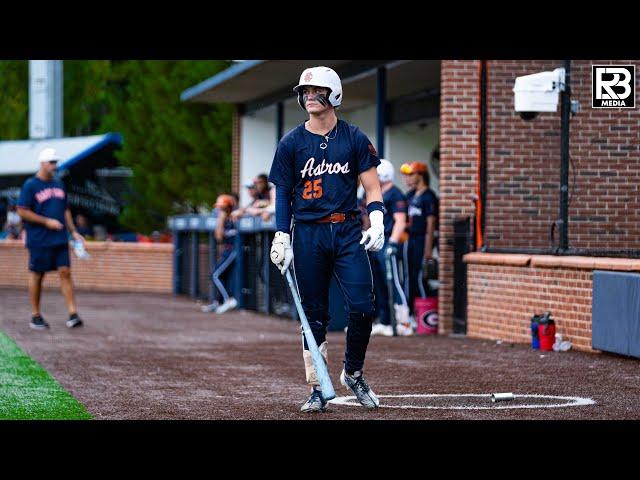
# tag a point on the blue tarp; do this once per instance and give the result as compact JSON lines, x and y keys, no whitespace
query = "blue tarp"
{"x":616,"y":312}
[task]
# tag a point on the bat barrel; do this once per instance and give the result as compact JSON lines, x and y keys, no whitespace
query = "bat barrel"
{"x":328,"y":392}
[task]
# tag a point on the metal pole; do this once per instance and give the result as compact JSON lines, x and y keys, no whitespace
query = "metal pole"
{"x":381,"y":99}
{"x":483,"y":157}
{"x":177,"y":262}
{"x":58,"y":98}
{"x":565,"y":112}
{"x":266,"y":263}
{"x":279,"y":121}
{"x":193,"y":291}
{"x":238,"y":270}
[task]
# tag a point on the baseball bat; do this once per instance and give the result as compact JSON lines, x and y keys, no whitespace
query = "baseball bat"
{"x":389,"y":274}
{"x":318,"y":361}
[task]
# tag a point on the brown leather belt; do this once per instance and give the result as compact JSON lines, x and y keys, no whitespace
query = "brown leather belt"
{"x":336,"y":218}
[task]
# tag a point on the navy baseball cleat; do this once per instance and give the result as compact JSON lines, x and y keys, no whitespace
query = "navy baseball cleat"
{"x":315,"y":403}
{"x":38,"y":323}
{"x":74,"y":321}
{"x":359,"y":387}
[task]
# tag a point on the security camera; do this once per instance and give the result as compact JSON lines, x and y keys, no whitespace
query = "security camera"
{"x":539,"y":92}
{"x":528,"y":115}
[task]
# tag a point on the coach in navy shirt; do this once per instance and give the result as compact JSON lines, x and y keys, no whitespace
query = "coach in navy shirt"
{"x":43,"y":208}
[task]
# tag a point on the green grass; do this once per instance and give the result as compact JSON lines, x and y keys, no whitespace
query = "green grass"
{"x":28,"y":392}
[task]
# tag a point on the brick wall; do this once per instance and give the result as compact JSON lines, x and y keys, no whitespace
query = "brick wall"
{"x":459,"y":125}
{"x":523,"y":163}
{"x":505,"y":290}
{"x":502,"y":299}
{"x":113,"y":266}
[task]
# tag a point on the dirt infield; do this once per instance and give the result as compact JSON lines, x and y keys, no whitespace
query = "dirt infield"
{"x":148,"y":356}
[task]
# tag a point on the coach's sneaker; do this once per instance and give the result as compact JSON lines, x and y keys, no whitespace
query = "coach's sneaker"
{"x":380,"y":329}
{"x":359,"y":387}
{"x":315,"y":403}
{"x":227,"y":305}
{"x":38,"y":323}
{"x":74,"y":321}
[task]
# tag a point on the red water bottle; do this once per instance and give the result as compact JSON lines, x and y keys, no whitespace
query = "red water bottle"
{"x":547,"y":334}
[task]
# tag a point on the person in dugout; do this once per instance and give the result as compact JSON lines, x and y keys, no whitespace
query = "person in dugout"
{"x":225,"y":234}
{"x":423,"y":207}
{"x":395,"y":222}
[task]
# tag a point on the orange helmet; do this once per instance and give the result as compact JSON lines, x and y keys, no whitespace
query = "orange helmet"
{"x":413,"y":167}
{"x":225,"y":202}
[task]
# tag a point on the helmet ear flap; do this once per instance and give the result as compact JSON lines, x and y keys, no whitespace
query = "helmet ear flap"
{"x":301,"y":100}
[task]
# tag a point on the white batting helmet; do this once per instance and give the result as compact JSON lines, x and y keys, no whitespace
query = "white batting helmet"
{"x":321,"y":77}
{"x":385,"y":171}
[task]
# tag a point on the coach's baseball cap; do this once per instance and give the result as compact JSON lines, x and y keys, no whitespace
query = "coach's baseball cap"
{"x":49,"y":155}
{"x":413,"y":167}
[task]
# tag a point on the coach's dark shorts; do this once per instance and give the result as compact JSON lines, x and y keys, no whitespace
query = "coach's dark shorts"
{"x":46,"y":259}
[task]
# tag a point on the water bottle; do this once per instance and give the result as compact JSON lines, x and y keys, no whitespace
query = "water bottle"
{"x":535,"y":338}
{"x":78,"y":249}
{"x":547,"y":334}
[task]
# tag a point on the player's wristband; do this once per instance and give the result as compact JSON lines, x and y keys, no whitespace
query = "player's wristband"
{"x":375,"y":206}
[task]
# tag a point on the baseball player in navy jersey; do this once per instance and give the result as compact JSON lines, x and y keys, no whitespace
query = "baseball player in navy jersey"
{"x":395,"y":221}
{"x":225,"y":234}
{"x":316,"y":169}
{"x":423,"y":223}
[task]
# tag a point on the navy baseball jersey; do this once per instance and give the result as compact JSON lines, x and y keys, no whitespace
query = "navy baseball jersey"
{"x":419,"y":208}
{"x":322,"y":171}
{"x":229,"y":234}
{"x":48,"y":199}
{"x":394,"y":202}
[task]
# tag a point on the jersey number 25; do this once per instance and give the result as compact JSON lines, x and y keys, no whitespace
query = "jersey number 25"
{"x":312,"y":190}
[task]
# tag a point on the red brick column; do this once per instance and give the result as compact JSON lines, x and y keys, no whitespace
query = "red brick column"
{"x":459,"y":125}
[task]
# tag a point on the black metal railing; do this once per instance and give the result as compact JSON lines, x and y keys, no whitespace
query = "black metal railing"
{"x":254,"y":281}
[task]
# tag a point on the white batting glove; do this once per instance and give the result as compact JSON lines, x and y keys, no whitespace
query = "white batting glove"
{"x":374,"y":237}
{"x":281,"y":252}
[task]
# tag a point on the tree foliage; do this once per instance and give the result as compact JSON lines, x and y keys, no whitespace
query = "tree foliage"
{"x":14,"y":101}
{"x":180,"y":152}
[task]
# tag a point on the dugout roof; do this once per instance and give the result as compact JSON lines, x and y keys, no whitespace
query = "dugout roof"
{"x":20,"y":157}
{"x":257,"y":84}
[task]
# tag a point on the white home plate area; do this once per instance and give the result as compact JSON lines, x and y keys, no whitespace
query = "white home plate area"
{"x":469,"y":401}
